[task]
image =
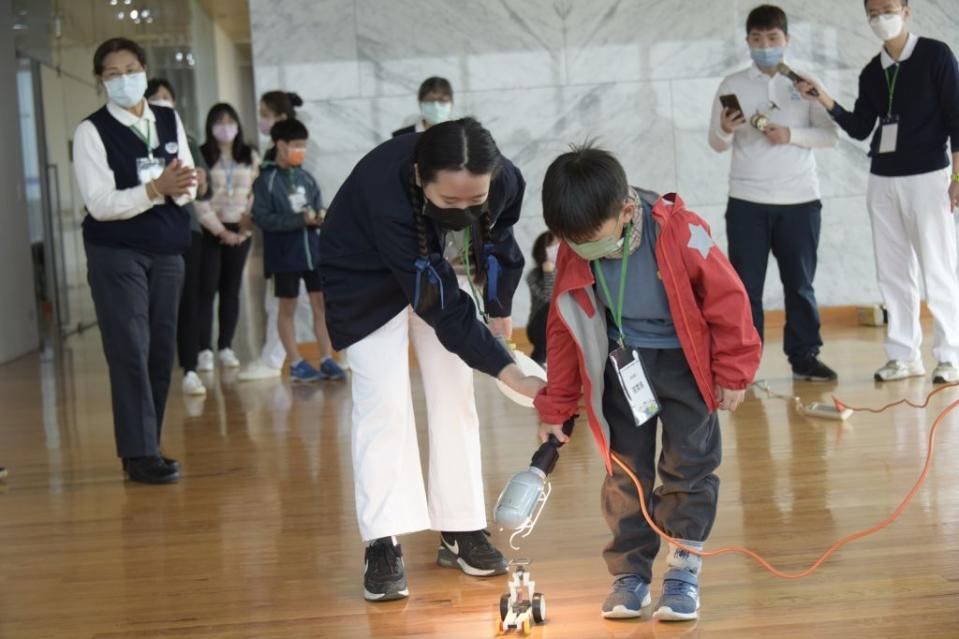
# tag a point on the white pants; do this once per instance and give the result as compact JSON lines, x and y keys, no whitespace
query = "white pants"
{"x":273,"y":353}
{"x":914,"y":232}
{"x":390,"y":499}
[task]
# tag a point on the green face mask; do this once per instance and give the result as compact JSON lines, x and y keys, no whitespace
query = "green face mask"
{"x":596,"y":249}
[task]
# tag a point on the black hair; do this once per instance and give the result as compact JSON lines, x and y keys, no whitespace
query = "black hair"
{"x":435,"y":84}
{"x":114,"y":45}
{"x":905,"y":3}
{"x":288,"y":130}
{"x":155,"y":84}
{"x":766,"y":17}
{"x":282,"y":103}
{"x":539,"y":247}
{"x":583,"y":188}
{"x":242,"y":152}
{"x":456,"y":145}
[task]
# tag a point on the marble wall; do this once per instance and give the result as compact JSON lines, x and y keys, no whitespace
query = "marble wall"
{"x":636,"y":75}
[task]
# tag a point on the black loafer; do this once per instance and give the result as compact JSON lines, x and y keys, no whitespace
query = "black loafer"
{"x":150,"y":470}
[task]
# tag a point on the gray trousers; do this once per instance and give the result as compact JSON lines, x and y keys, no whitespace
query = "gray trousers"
{"x":136,"y":296}
{"x":684,"y":505}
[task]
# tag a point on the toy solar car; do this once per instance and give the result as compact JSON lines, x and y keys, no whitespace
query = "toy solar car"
{"x":520,"y":608}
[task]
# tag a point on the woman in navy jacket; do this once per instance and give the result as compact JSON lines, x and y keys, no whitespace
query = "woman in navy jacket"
{"x":411,"y":209}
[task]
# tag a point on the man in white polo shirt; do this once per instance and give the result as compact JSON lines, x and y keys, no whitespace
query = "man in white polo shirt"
{"x":773,"y":187}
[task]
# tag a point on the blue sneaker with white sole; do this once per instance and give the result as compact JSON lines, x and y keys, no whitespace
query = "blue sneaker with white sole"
{"x":680,"y":598}
{"x":303,"y":372}
{"x":629,"y":595}
{"x":331,"y":370}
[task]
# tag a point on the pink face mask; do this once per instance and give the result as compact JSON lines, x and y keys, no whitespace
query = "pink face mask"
{"x":225,"y":131}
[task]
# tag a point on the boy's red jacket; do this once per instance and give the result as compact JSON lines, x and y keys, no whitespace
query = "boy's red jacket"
{"x":709,"y":308}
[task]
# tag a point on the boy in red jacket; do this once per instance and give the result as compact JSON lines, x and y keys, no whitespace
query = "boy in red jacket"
{"x":650,"y":323}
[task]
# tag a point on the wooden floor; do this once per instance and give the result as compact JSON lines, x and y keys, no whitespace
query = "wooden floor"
{"x":259,"y":538}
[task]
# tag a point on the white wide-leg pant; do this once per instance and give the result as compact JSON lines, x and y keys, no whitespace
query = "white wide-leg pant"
{"x":390,"y":497}
{"x":914,"y":234}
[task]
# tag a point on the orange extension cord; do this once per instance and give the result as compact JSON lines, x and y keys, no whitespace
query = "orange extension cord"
{"x":840,"y":543}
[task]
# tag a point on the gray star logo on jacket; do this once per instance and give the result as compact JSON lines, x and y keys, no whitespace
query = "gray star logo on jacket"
{"x":700,"y":240}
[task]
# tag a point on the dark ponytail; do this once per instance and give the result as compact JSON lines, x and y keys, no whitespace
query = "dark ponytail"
{"x":456,"y":145}
{"x":282,"y":103}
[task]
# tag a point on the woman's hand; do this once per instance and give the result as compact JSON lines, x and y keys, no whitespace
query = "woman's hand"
{"x":528,"y":386}
{"x":175,"y":180}
{"x":229,"y":238}
{"x":201,"y":182}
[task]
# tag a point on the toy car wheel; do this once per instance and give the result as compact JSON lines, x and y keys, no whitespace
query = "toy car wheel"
{"x":503,"y":607}
{"x":539,"y":607}
{"x":527,"y":627}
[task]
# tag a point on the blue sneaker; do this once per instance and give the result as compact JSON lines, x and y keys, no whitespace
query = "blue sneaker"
{"x":303,"y":372}
{"x":680,"y":598}
{"x":331,"y":370}
{"x":627,"y":598}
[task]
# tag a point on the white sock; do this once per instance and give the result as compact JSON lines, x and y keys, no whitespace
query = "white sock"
{"x":682,"y":560}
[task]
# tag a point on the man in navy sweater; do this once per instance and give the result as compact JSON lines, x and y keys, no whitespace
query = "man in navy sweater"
{"x":912,"y":89}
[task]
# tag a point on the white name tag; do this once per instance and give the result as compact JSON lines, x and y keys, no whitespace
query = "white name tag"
{"x":149,"y":169}
{"x":888,"y":134}
{"x":635,"y":384}
{"x":298,"y":200}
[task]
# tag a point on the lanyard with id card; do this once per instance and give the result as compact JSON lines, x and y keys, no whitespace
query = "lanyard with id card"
{"x":889,"y":125}
{"x":626,"y":361}
{"x":148,"y":168}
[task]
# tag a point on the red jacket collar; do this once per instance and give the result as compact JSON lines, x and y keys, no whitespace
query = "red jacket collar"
{"x":573,"y":272}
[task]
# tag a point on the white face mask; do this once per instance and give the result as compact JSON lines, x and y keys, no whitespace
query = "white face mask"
{"x":162,"y":103}
{"x":887,"y":26}
{"x":436,"y":112}
{"x":127,"y":90}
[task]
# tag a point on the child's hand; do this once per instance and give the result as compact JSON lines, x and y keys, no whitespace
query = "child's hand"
{"x":545,"y":430}
{"x":548,"y":267}
{"x":729,"y":399}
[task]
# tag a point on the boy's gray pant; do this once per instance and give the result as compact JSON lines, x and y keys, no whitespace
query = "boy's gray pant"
{"x":684,"y":505}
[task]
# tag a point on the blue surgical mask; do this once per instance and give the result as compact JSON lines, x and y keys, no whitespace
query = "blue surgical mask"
{"x":767,"y":58}
{"x":436,"y":112}
{"x":127,"y":90}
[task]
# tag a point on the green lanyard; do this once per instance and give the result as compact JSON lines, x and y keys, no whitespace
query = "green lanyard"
{"x":892,"y":87}
{"x":290,"y":175}
{"x":144,"y":138}
{"x":621,"y":299}
{"x":469,"y":274}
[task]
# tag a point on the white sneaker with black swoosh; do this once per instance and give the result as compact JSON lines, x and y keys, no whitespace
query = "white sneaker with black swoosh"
{"x":470,"y":552}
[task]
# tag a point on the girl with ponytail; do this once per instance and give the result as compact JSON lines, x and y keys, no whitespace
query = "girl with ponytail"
{"x":409,"y":208}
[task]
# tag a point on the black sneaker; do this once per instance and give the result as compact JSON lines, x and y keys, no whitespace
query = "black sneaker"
{"x":150,"y":470}
{"x":384,"y":576}
{"x":810,"y":369}
{"x":3,"y":472}
{"x":471,"y":552}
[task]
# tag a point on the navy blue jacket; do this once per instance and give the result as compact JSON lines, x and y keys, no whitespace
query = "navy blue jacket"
{"x":289,"y":246}
{"x":369,"y":248}
{"x":162,"y":230}
{"x":927,"y":103}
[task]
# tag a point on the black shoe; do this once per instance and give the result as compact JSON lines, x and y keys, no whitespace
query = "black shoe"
{"x":150,"y":470}
{"x":810,"y":369}
{"x":172,"y":463}
{"x":471,"y":552}
{"x":384,"y":576}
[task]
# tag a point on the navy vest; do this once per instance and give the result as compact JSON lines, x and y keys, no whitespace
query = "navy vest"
{"x":164,"y":229}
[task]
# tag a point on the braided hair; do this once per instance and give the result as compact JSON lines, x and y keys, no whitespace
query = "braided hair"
{"x":456,"y":145}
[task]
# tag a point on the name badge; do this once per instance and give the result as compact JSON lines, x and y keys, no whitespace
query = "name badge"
{"x":149,"y":169}
{"x":298,"y":199}
{"x":888,"y":134}
{"x":635,"y":384}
